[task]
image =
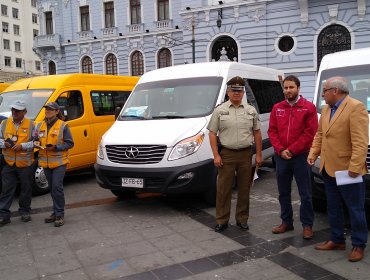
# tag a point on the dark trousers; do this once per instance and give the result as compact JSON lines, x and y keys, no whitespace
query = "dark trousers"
{"x":285,"y":170}
{"x":10,"y":176}
{"x":239,"y":162}
{"x":55,"y":178}
{"x":353,"y":196}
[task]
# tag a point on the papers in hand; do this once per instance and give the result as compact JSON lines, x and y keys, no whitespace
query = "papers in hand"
{"x":343,"y":178}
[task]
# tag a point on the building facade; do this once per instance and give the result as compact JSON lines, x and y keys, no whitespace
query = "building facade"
{"x":19,"y":22}
{"x":131,"y":37}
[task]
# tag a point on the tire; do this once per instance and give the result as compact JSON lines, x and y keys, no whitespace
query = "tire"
{"x":40,"y":184}
{"x":124,"y":193}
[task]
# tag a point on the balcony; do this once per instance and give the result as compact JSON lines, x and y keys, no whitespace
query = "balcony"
{"x":109,"y":31}
{"x":46,"y":41}
{"x":163,"y":24}
{"x":134,"y":28}
{"x":85,"y":35}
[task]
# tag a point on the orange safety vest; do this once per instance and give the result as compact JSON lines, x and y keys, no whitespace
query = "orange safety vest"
{"x":51,"y":159}
{"x":21,"y":135}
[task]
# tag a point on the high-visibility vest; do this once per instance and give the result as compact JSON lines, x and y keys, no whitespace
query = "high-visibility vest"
{"x":22,"y":135}
{"x":51,"y":159}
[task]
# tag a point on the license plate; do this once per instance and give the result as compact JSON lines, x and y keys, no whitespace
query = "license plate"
{"x":133,"y":182}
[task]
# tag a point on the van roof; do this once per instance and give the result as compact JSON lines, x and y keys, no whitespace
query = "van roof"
{"x":207,"y":69}
{"x":345,"y":58}
{"x":56,"y":81}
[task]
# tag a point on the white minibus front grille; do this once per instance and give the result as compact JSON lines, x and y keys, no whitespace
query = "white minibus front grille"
{"x":135,"y":154}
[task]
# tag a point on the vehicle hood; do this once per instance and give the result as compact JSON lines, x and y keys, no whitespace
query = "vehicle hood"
{"x":156,"y":132}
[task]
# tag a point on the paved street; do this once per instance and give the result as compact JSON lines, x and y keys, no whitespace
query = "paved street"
{"x":153,"y":237}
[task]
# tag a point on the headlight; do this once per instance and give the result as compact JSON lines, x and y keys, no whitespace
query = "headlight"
{"x":100,"y":153}
{"x":186,"y":147}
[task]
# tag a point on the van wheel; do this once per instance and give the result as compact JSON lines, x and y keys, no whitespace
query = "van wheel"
{"x":211,"y":192}
{"x":40,"y":184}
{"x":123,"y":193}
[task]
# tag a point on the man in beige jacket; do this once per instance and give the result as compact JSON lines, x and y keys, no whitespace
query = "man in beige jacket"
{"x":342,"y":142}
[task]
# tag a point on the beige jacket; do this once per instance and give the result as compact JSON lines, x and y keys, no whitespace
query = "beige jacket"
{"x":342,"y":143}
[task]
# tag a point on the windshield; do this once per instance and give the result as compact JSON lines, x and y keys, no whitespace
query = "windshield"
{"x":358,"y":78}
{"x":178,"y":98}
{"x":34,"y":99}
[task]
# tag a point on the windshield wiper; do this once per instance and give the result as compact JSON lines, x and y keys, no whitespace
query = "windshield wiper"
{"x":168,"y":117}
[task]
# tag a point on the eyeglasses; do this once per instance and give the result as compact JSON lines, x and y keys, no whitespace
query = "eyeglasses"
{"x":324,"y":90}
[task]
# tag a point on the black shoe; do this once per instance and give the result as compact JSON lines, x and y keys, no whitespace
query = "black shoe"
{"x":220,"y":227}
{"x":26,"y":218}
{"x":4,"y":221}
{"x":243,"y":226}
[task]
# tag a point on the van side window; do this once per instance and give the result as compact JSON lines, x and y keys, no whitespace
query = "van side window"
{"x":71,"y":104}
{"x":266,"y":94}
{"x":105,"y":102}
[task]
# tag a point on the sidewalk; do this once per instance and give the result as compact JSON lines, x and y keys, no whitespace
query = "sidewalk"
{"x":160,"y":238}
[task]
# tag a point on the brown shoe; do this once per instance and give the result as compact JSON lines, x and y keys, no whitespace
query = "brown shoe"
{"x":356,"y":254}
{"x":59,"y":221}
{"x":330,"y":245}
{"x":307,"y":233}
{"x":50,"y":219}
{"x":282,"y":228}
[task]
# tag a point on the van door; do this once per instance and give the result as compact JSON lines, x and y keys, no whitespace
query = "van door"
{"x":78,"y":117}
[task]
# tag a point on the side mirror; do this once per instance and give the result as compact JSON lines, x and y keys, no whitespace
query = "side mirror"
{"x":117,"y":111}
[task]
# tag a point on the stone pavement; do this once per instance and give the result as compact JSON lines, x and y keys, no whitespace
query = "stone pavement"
{"x":154,"y":237}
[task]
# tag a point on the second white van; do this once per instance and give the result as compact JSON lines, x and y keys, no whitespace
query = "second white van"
{"x":354,"y":65}
{"x":159,"y":142}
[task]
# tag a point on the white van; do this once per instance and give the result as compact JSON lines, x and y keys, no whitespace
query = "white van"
{"x":354,"y":65}
{"x":159,"y":142}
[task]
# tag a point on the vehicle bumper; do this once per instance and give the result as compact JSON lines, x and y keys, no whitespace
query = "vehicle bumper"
{"x":161,"y":180}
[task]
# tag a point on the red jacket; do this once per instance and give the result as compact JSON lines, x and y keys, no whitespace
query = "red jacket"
{"x":293,"y":127}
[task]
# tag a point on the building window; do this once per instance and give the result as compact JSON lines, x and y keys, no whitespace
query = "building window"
{"x":34,"y":18}
{"x":4,"y":10}
{"x":164,"y":58}
{"x":86,"y":65}
{"x":135,"y":10}
{"x":16,"y":29}
{"x":33,"y":3}
{"x":35,"y":32}
{"x":6,"y":44}
{"x":333,"y":38}
{"x":137,"y":64}
{"x":15,"y":13}
{"x":286,"y":43}
{"x":163,"y":10}
{"x":49,"y":22}
{"x":38,"y":65}
{"x":111,"y":64}
{"x":109,"y":14}
{"x":5,"y":27}
{"x":18,"y":62}
{"x":7,"y":61}
{"x":52,"y":68}
{"x":17,"y":46}
{"x":85,"y":18}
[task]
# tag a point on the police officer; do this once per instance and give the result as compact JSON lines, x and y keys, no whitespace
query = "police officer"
{"x":17,"y":148}
{"x":54,"y":138}
{"x":236,"y":125}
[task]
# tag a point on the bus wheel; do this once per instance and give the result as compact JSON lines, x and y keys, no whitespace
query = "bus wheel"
{"x":40,"y":184}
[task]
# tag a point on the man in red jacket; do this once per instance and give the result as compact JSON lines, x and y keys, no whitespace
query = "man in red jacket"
{"x":293,"y":124}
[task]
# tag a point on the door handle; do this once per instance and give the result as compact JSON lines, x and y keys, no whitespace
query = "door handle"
{"x":85,"y":132}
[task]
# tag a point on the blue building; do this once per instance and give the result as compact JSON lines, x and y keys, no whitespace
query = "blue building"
{"x":131,"y":37}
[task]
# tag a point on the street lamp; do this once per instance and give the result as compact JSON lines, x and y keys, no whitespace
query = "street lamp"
{"x":192,"y":34}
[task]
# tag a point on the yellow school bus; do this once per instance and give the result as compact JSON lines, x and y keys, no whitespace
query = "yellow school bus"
{"x":88,"y":102}
{"x":3,"y":86}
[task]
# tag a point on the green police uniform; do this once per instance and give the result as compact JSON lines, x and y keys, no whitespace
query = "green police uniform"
{"x":235,"y":127}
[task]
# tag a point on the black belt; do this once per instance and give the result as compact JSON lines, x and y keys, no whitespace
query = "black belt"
{"x":237,"y":150}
